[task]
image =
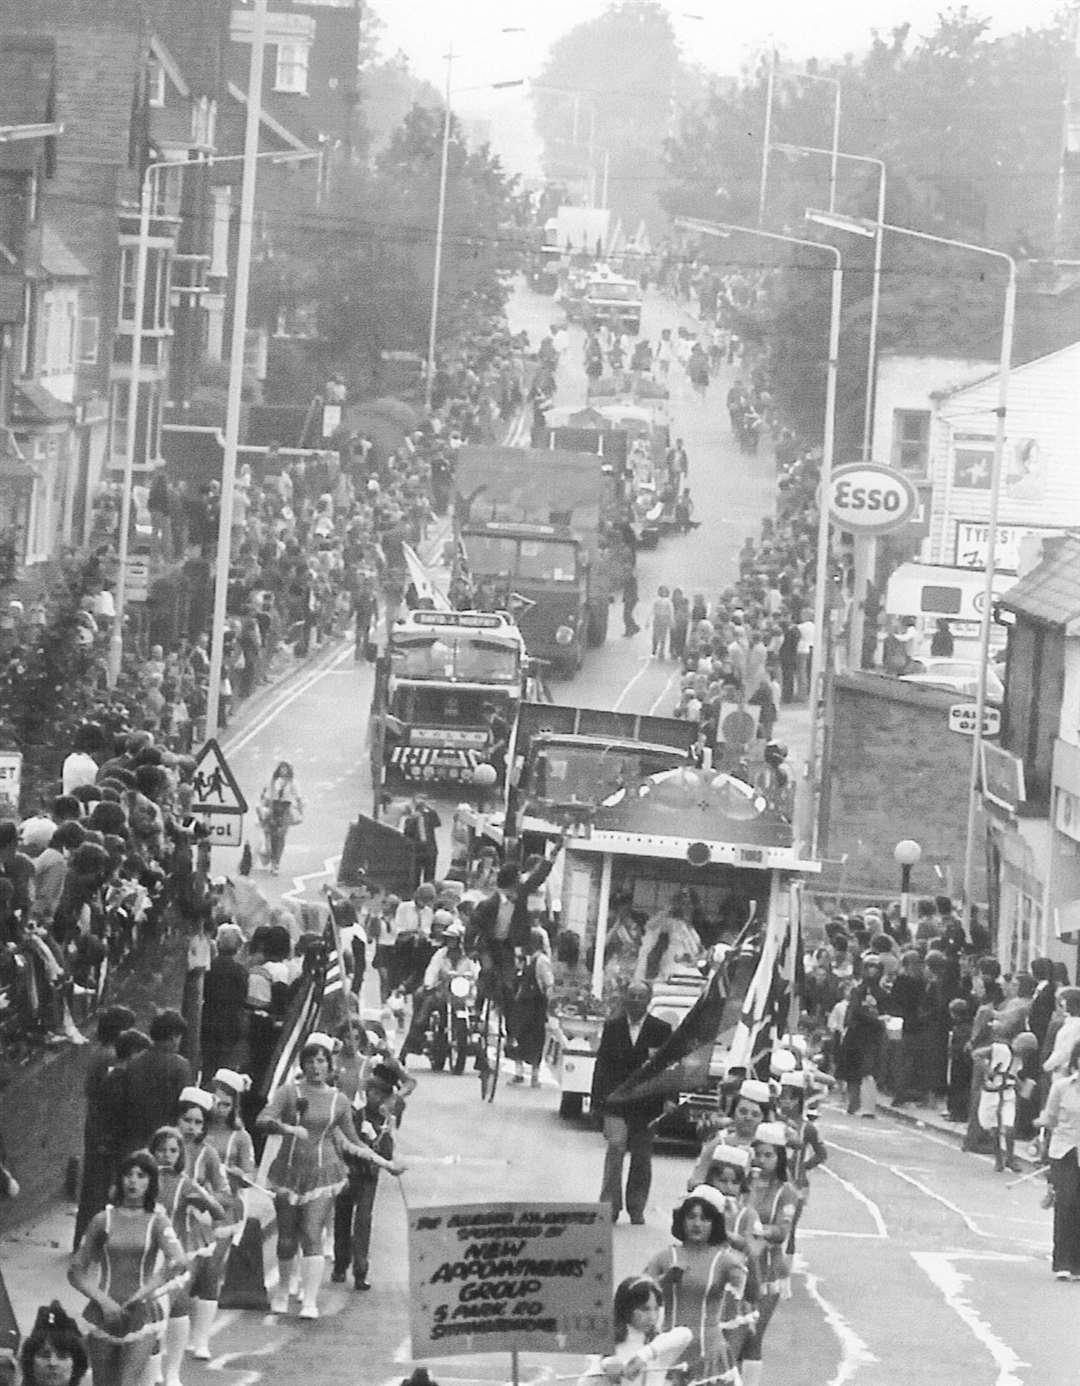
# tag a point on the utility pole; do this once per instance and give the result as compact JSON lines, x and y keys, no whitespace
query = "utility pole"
{"x":236,"y":362}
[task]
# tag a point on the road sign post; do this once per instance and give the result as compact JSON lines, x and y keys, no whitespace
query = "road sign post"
{"x":218,"y":799}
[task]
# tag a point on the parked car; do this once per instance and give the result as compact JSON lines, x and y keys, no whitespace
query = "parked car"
{"x":959,"y":676}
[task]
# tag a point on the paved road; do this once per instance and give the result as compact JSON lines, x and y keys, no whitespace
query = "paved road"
{"x":916,"y":1263}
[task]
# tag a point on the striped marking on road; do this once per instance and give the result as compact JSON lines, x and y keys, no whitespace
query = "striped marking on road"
{"x":867,"y":1202}
{"x":854,"y":1353}
{"x":940,"y":1269}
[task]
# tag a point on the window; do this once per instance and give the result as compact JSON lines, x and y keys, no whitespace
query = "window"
{"x":292,"y":68}
{"x":155,"y":83}
{"x":167,"y":190}
{"x":121,"y":395}
{"x":89,"y":340}
{"x":911,"y":440}
{"x":128,"y":262}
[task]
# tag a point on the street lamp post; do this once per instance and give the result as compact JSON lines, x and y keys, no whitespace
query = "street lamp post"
{"x":440,"y":217}
{"x":1008,"y":320}
{"x":767,"y":145}
{"x":236,"y":363}
{"x":116,"y":640}
{"x":821,"y":579}
{"x":906,"y":854}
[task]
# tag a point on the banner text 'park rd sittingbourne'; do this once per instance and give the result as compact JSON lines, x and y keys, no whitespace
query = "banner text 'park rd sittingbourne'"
{"x":496,"y":1277}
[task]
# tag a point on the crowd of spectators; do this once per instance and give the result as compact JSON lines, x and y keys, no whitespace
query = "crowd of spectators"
{"x":108,"y":852}
{"x":913,"y":1010}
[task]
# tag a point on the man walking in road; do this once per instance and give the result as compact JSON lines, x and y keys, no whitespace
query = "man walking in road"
{"x":625,"y":1044}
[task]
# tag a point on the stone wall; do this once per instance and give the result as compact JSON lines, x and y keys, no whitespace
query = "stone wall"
{"x":896,"y":772}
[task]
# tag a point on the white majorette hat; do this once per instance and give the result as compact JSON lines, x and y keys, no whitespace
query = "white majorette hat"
{"x":771,"y":1133}
{"x":782,"y":1061}
{"x":797,"y":1078}
{"x":736,"y":1155}
{"x":705,"y":1193}
{"x":195,"y":1097}
{"x":324,"y":1041}
{"x":235,"y":1082}
{"x":756,"y":1091}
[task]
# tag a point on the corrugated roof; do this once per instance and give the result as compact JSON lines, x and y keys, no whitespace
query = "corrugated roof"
{"x":1051,"y":592}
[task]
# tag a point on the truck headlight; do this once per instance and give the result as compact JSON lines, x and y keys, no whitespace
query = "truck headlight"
{"x":564,"y":635}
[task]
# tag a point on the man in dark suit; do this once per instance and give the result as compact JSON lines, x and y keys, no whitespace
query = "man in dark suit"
{"x":625,"y":1044}
{"x":155,"y":1079}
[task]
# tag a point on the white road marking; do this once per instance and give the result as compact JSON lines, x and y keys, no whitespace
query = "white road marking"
{"x":295,"y":893}
{"x":968,"y":1222}
{"x":858,"y":1195}
{"x":834,"y":1232}
{"x":854,"y":1353}
{"x":941,"y":1271}
{"x":667,"y":689}
{"x":646,"y":662}
{"x":271,"y":714}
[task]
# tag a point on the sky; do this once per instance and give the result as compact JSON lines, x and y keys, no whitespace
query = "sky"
{"x":723,"y":38}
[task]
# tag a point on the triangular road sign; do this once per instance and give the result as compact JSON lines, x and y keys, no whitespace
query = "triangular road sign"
{"x":216,"y":790}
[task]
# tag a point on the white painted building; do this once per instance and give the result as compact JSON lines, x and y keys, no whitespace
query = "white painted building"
{"x":905,"y":410}
{"x":1041,"y":486}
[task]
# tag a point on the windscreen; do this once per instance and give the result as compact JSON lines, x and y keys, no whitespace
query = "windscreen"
{"x":571,"y":774}
{"x":542,"y":560}
{"x":458,"y":655}
{"x":445,"y":707}
{"x":623,"y":293}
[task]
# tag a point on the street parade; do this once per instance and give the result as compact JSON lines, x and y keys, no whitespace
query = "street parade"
{"x":538,"y":839}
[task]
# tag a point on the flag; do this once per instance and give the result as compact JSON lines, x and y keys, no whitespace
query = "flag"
{"x":681,"y":1064}
{"x":766,"y":1007}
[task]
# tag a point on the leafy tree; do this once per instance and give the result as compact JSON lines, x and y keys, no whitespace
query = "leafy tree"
{"x":969,"y":129}
{"x":610,"y":86}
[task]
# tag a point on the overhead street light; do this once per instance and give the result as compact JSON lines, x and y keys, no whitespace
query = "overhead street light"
{"x":821,"y":579}
{"x":440,"y":218}
{"x":1008,"y":320}
{"x":767,"y":144}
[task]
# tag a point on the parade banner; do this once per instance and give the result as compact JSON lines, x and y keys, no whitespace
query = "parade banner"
{"x":509,"y":1277}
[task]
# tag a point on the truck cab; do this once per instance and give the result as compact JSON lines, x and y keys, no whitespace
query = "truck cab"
{"x":611,"y":299}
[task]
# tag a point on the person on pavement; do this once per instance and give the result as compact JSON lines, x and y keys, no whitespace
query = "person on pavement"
{"x":627,"y":1042}
{"x":1061,"y":1122}
{"x":154,"y":1080}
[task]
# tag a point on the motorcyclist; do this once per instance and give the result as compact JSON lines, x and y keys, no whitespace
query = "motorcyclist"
{"x":447,"y":962}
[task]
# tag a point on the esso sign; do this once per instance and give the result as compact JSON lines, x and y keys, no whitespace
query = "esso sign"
{"x":867,"y":498}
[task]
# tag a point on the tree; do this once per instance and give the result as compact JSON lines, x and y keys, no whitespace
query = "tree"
{"x":367,"y":274}
{"x":608,"y":89}
{"x":969,"y":130}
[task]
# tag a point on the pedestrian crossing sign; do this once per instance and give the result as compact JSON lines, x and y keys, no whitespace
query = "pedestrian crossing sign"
{"x":216,"y":789}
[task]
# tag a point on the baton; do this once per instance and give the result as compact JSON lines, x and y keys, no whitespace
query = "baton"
{"x":1031,"y":1174}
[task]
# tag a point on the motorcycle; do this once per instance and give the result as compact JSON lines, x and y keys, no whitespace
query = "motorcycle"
{"x":453,"y":1030}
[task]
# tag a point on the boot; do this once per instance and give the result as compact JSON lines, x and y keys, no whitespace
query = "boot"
{"x":999,"y":1156}
{"x":1011,"y":1162}
{"x":279,"y":1302}
{"x":203,"y":1312}
{"x":311,"y":1274}
{"x":751,"y":1373}
{"x":177,"y":1333}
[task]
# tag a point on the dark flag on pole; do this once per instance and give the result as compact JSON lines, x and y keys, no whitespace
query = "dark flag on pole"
{"x":681,"y":1064}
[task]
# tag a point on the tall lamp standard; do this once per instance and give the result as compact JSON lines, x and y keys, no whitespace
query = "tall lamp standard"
{"x":767,"y":144}
{"x":440,"y":216}
{"x":1008,"y":319}
{"x":906,"y":854}
{"x":821,"y":578}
